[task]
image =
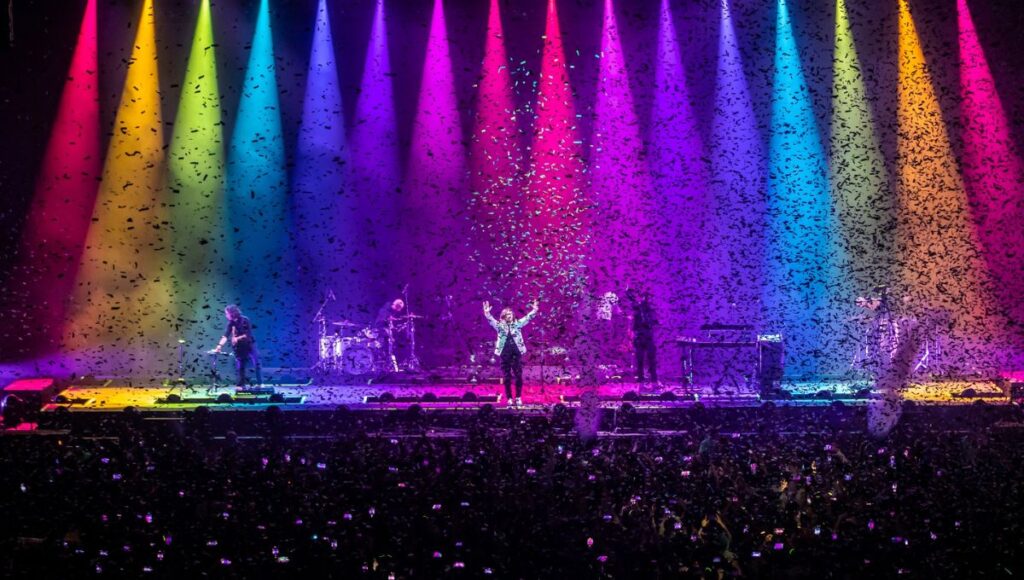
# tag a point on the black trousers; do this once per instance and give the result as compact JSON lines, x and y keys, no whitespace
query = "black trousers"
{"x":245,"y":357}
{"x":646,"y":352}
{"x":512,"y":365}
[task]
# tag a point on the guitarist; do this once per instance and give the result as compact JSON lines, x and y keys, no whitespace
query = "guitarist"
{"x":239,"y":332}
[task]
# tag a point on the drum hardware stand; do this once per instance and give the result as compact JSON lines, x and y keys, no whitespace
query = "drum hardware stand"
{"x":321,"y":323}
{"x":474,"y":376}
{"x":862,"y":353}
{"x":931,"y":355}
{"x":392,"y":359}
{"x":924,"y":360}
{"x":891,"y":329}
{"x":447,"y":326}
{"x":413,"y":364}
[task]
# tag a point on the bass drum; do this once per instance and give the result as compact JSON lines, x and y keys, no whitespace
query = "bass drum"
{"x":357,"y":360}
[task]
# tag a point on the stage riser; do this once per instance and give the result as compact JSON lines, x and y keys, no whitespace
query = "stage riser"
{"x":792,"y":419}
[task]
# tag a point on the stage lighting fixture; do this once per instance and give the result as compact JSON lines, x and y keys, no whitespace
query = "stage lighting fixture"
{"x":13,"y":410}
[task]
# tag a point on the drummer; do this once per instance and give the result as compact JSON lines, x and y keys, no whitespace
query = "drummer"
{"x":390,"y":323}
{"x":388,"y":313}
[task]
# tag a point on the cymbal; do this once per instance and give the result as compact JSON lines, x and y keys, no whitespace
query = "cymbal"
{"x":405,"y":316}
{"x":344,"y":323}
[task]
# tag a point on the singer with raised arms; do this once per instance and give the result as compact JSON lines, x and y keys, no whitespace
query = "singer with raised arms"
{"x":511,"y":351}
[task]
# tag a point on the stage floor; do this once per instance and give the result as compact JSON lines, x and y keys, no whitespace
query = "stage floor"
{"x":112,"y":396}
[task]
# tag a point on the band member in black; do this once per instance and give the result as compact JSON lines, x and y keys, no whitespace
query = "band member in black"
{"x":390,"y":311}
{"x":391,"y":325}
{"x":643,"y":334}
{"x":239,"y":332}
{"x":511,"y":347}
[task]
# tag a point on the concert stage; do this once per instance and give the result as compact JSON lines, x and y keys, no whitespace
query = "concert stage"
{"x":634,"y":193}
{"x":316,"y":407}
{"x":114,"y":396}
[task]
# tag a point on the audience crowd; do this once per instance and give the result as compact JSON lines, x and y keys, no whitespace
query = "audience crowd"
{"x":529,"y":501}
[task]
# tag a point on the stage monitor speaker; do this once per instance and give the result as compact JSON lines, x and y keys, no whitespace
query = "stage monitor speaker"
{"x":34,"y":392}
{"x":1016,"y":391}
{"x":770,"y":364}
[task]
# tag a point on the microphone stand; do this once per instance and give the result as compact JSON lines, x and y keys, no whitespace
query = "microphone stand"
{"x":181,"y":362}
{"x":319,"y":317}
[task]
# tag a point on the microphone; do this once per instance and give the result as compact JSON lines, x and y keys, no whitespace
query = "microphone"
{"x":330,"y":294}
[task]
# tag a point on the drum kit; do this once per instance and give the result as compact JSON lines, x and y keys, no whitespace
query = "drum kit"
{"x":349,"y":348}
{"x":880,"y":329}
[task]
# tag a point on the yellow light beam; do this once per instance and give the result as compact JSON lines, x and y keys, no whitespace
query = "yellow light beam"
{"x":122,"y":296}
{"x":941,"y":269}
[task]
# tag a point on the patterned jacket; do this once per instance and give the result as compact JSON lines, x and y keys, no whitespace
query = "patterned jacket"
{"x":505,"y":329}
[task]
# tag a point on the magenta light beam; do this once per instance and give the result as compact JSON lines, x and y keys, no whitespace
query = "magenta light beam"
{"x":65,"y":191}
{"x":433,"y":201}
{"x":556,"y":203}
{"x":992,"y":173}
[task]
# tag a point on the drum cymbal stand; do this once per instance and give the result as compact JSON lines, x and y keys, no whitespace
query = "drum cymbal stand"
{"x":930,"y":357}
{"x":392,"y":359}
{"x":321,"y":327}
{"x":413,"y":363}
